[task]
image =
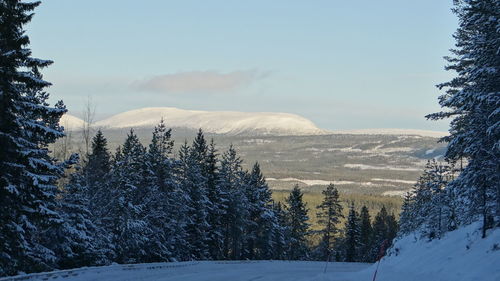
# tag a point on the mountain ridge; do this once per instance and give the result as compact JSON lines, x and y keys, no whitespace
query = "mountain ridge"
{"x":230,"y":123}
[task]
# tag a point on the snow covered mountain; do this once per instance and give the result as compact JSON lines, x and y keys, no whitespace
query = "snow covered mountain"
{"x":71,"y":122}
{"x":229,"y":123}
{"x":219,"y":122}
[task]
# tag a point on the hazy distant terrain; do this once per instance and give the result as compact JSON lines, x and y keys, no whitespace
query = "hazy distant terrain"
{"x":291,"y":149}
{"x":369,"y":164}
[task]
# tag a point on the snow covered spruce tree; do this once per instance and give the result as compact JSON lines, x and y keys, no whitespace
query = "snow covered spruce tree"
{"x":472,"y":100}
{"x":298,"y":226}
{"x":28,"y":125}
{"x":97,"y":164}
{"x":429,"y":208}
{"x":127,"y":210}
{"x":206,"y":157}
{"x":218,"y":208}
{"x":163,"y":199}
{"x":193,"y":183}
{"x":279,"y":232}
{"x":75,"y":244}
{"x":329,"y":215}
{"x":94,"y":177}
{"x":261,"y":220}
{"x":407,"y":215}
{"x":236,"y":217}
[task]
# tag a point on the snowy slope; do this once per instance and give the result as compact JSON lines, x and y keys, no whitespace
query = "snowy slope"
{"x":71,"y":122}
{"x":219,"y":122}
{"x":203,"y":271}
{"x":459,"y":256}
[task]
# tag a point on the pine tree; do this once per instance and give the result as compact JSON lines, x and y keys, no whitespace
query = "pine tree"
{"x":392,"y":228}
{"x":407,"y":215}
{"x":94,"y":180}
{"x":27,"y":126}
{"x":194,"y":185}
{"x":218,"y":201}
{"x":260,"y":217}
{"x":365,"y":235}
{"x":430,"y":206}
{"x":126,"y":215}
{"x":76,"y":242}
{"x":280,"y":233}
{"x":162,"y":199}
{"x":98,"y":163}
{"x":472,"y":100}
{"x":384,"y":231}
{"x":329,"y":215}
{"x":235,"y":220}
{"x":298,"y":226}
{"x":352,"y":235}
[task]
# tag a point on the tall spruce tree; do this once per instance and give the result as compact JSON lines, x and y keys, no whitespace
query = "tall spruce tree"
{"x":28,"y":125}
{"x":365,"y":235}
{"x":126,"y":215}
{"x":194,"y":185}
{"x":472,"y":100}
{"x":218,"y":200}
{"x":406,"y":218}
{"x":329,"y":215}
{"x":98,"y":162}
{"x":76,"y":242}
{"x":352,"y":235}
{"x":280,"y":233}
{"x":298,"y":226}
{"x":261,"y":216}
{"x":162,"y":199}
{"x":385,"y":228}
{"x":236,"y":217}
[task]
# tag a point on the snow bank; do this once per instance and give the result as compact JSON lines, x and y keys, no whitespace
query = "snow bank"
{"x":461,"y":255}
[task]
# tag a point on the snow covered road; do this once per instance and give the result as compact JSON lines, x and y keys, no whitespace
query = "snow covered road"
{"x":206,"y":271}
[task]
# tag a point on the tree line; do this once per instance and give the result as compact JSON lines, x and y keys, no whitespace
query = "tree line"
{"x":466,"y":187}
{"x":358,"y":239}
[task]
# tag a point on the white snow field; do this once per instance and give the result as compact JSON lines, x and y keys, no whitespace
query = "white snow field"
{"x":205,"y":271}
{"x":461,"y":255}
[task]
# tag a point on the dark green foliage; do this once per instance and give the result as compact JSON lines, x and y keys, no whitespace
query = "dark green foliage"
{"x":28,"y":124}
{"x":127,"y":211}
{"x":298,"y":226}
{"x":385,"y":228}
{"x":472,"y":99}
{"x":365,"y":235}
{"x":352,"y":240}
{"x":329,"y":215}
{"x":261,"y":218}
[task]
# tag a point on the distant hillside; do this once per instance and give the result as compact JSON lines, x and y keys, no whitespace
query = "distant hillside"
{"x":229,"y":123}
{"x":291,"y":149}
{"x":218,"y":122}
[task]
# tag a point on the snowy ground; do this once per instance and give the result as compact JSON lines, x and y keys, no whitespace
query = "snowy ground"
{"x":461,"y":255}
{"x":205,"y":271}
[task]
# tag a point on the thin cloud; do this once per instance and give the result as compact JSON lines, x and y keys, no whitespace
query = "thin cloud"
{"x":199,"y":81}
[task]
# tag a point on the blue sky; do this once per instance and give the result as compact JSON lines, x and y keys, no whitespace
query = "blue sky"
{"x":342,"y":64}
